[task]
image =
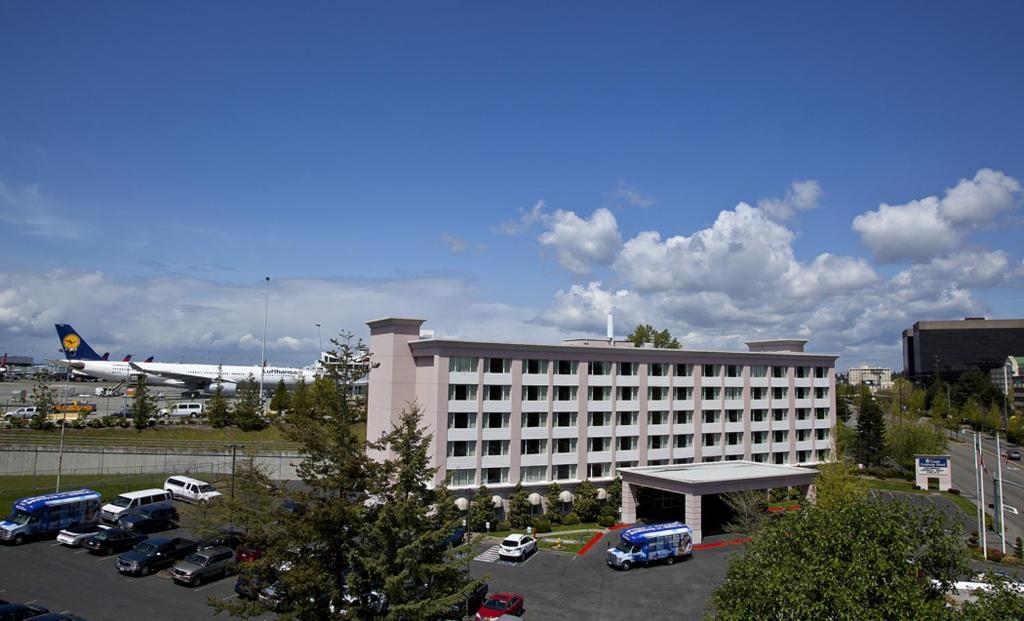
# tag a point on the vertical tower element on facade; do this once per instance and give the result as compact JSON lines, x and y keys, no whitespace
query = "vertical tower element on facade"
{"x":392,"y":383}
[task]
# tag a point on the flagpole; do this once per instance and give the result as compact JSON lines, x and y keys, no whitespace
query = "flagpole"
{"x":977,"y":488}
{"x":999,"y":496}
{"x":981,"y":481}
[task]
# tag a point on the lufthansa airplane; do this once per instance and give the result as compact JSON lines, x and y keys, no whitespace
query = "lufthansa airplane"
{"x":194,"y":377}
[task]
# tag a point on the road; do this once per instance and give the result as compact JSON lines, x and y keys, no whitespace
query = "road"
{"x":1013,"y":486}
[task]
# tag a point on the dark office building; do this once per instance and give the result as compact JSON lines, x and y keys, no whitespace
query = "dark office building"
{"x":953,"y":347}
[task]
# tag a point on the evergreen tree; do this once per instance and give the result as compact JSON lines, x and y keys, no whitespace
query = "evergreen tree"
{"x":300,"y":398}
{"x":554,"y":508}
{"x":281,"y":399}
{"x":405,"y":558}
{"x":143,"y":407}
{"x":519,"y":508}
{"x":248,"y":410}
{"x":870,"y":430}
{"x":42,"y":398}
{"x":481,"y":510}
{"x":644,"y":334}
{"x":586,"y":505}
{"x":217,"y":411}
{"x":614,"y":503}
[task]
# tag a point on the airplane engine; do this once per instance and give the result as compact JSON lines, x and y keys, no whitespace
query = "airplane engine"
{"x":228,"y":389}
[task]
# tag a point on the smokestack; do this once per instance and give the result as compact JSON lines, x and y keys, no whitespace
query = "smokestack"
{"x":611,"y":326}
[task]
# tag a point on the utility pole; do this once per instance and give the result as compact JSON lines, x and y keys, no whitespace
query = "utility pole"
{"x":263,"y":356}
{"x":320,"y":333}
{"x":234,"y":449}
{"x":63,"y":426}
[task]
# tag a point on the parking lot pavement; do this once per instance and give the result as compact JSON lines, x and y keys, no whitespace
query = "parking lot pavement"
{"x":70,"y":579}
{"x":565,"y":586}
{"x":944,"y":505}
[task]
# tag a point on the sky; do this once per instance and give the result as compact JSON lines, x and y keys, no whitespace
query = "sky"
{"x":741,"y":171}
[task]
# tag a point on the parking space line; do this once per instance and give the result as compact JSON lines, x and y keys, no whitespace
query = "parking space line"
{"x":530,"y":558}
{"x":207,"y":586}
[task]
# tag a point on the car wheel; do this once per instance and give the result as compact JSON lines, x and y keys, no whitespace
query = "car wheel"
{"x":626,"y":565}
{"x":196,"y":581}
{"x":146,"y":570}
{"x":19,"y":539}
{"x":670,"y":560}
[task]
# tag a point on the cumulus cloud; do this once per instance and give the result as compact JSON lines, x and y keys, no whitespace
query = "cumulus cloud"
{"x":929,"y":227}
{"x":581,"y":243}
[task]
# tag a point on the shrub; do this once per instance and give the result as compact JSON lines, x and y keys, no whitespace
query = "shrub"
{"x":570,"y":519}
{"x":954,"y":491}
{"x":542,"y":525}
{"x":1013,"y":561}
{"x":995,"y":555}
{"x":916,"y":486}
{"x":503,"y":525}
{"x":605,"y":520}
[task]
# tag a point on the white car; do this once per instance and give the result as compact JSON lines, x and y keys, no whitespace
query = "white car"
{"x":73,"y":536}
{"x":517,"y":547}
{"x":190,"y":490}
{"x":23,"y":412}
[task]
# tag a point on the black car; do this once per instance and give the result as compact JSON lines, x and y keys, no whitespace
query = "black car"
{"x":18,"y":612}
{"x":153,"y":554}
{"x":113,"y":540}
{"x":227,"y":538}
{"x":57,"y":616}
{"x":149,"y":518}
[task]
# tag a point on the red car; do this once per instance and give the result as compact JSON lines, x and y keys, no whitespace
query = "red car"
{"x":498,"y":604}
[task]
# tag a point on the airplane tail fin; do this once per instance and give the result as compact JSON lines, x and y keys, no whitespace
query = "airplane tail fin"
{"x":127,"y":358}
{"x":74,"y":346}
{"x":150,"y":359}
{"x":105,"y":356}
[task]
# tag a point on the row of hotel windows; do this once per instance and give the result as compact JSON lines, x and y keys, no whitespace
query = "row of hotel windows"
{"x":466,"y":477}
{"x":468,"y":392}
{"x":467,"y":448}
{"x":465,"y":364}
{"x":500,"y":420}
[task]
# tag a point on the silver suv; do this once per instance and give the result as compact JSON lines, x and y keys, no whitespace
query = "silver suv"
{"x":203,"y":564}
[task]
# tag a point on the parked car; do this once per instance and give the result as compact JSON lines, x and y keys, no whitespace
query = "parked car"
{"x":190,"y":490}
{"x":498,"y":604}
{"x":24,"y":413}
{"x":18,"y":612}
{"x":189,"y":409}
{"x":227,"y":538}
{"x":202,"y":565}
{"x":113,"y":540}
{"x":154,"y":554}
{"x":1013,"y":453}
{"x":130,"y":500}
{"x":57,"y":616}
{"x":73,"y":536}
{"x":517,"y":547}
{"x":149,"y":518}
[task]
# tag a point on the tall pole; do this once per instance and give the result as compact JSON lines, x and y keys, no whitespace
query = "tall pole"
{"x":980,"y":513}
{"x":234,"y":449}
{"x":320,"y":333}
{"x":981,"y":488}
{"x":263,"y":356}
{"x":999,"y":497}
{"x":63,"y":426}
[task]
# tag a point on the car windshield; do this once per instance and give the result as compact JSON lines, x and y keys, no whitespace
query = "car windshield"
{"x":624,"y":547}
{"x":19,"y":517}
{"x":206,"y":488}
{"x":497,"y":604}
{"x":510,"y":543}
{"x":146,"y":548}
{"x":121,"y":501}
{"x":195,"y":559}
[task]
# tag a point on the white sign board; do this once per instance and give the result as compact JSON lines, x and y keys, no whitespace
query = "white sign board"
{"x":933,"y":472}
{"x":932,"y":465}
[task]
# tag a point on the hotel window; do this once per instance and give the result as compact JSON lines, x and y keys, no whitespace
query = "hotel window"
{"x":535,"y":419}
{"x":535,"y":367}
{"x":802,"y":372}
{"x":759,"y":371}
{"x":535,"y":393}
{"x":461,"y":449}
{"x":780,"y":393}
{"x":733,"y":392}
{"x":780,"y":458}
{"x":712,"y":439}
{"x":599,"y":445}
{"x":565,"y":393}
{"x":628,"y":393}
{"x":657,"y":393}
{"x":600,"y":368}
{"x":627,"y":443}
{"x":564,"y":445}
{"x":657,"y":462}
{"x":758,"y":392}
{"x":566,"y":367}
{"x":821,"y":372}
{"x":563,"y":419}
{"x":759,"y":437}
{"x":779,"y":415}
{"x":803,"y":392}
{"x":658,"y":417}
{"x":803,"y":413}
{"x":599,"y":471}
{"x":497,"y":393}
{"x":778,"y":372}
{"x":683,"y":393}
{"x":533,"y":474}
{"x":657,"y":369}
{"x":493,"y":448}
{"x":496,"y":420}
{"x":822,"y":434}
{"x":780,"y":436}
{"x":628,"y":418}
{"x":733,"y":370}
{"x":461,"y":478}
{"x":461,"y":420}
{"x":498,"y":365}
{"x":492,"y":476}
{"x":758,"y":416}
{"x":533,"y":447}
{"x":733,"y":457}
{"x":803,"y":456}
{"x":565,"y":472}
{"x":683,"y":460}
{"x":821,"y":413}
{"x":709,"y":393}
{"x":625,"y":464}
{"x":823,"y":454}
{"x":711,"y":370}
{"x":711,"y":417}
{"x":734,"y":416}
{"x":462,"y":392}
{"x":802,"y":435}
{"x":462,"y":364}
{"x":600,"y":419}
{"x":657,"y":442}
{"x":628,"y":368}
{"x":684,"y":417}
{"x":760,"y":457}
{"x":599,"y":393}
{"x":684,"y":440}
{"x":821,"y":393}
{"x":684,"y":370}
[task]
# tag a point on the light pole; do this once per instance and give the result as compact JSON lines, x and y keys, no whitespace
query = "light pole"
{"x":320,"y":333}
{"x":63,"y":426}
{"x":234,"y":449}
{"x":263,"y":356}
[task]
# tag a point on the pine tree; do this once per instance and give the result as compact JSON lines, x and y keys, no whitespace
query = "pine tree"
{"x":247,"y":411}
{"x":217,"y":411}
{"x":586,"y":506}
{"x":870,"y":430}
{"x":143,"y":407}
{"x":280,"y":401}
{"x":481,"y":510}
{"x":554,"y":508}
{"x":519,"y":508}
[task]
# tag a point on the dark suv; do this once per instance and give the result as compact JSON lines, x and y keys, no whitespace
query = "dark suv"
{"x":149,"y":518}
{"x":153,"y":554}
{"x":17,"y":612}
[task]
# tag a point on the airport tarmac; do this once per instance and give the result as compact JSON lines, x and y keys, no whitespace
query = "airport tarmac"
{"x":10,"y":394}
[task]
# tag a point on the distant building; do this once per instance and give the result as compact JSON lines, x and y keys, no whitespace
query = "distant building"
{"x":1010,"y":380}
{"x":950,"y":348}
{"x":875,"y":377}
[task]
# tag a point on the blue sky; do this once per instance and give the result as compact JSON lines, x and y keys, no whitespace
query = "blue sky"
{"x":157,"y":161}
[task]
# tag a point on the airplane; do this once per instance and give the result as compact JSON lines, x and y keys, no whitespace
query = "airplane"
{"x":3,"y":365}
{"x":105,"y":356}
{"x":203,"y":378}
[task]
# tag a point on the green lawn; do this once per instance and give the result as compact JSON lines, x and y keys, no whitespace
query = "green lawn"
{"x":568,"y":545}
{"x":557,"y":528}
{"x":178,"y":435}
{"x":13,"y":487}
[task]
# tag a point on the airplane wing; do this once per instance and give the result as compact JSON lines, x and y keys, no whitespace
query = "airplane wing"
{"x":196,"y":381}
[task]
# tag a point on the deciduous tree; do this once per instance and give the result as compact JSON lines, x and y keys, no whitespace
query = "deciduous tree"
{"x":749,"y":510}
{"x":519,"y":507}
{"x":42,"y":399}
{"x":585,"y":504}
{"x":904,"y":439}
{"x":554,"y":508}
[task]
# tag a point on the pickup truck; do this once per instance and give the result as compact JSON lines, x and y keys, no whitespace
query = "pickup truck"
{"x":154,"y":554}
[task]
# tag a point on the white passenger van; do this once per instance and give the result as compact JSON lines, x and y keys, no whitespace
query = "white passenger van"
{"x":129,"y":500}
{"x":192,"y":490}
{"x":191,"y":409}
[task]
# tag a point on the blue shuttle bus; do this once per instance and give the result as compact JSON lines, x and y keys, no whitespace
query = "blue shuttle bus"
{"x":40,"y":515}
{"x":650,"y":543}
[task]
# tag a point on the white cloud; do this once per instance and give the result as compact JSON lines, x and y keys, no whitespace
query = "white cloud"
{"x":929,"y":227}
{"x":459,"y":245}
{"x":580,"y":243}
{"x":527,"y":218}
{"x":628,"y":196}
{"x":801,"y":196}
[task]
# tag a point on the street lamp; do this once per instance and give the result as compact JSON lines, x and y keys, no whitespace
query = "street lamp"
{"x":320,"y":333}
{"x":263,"y":356}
